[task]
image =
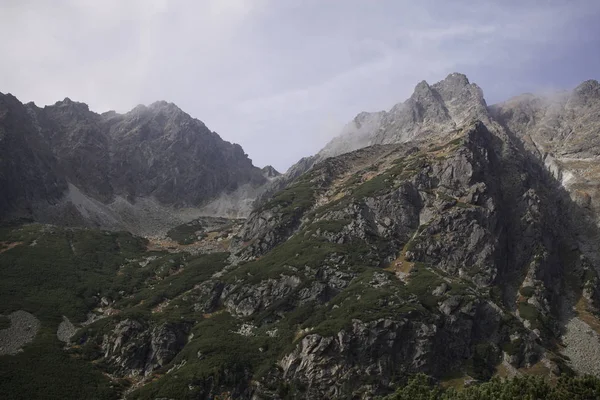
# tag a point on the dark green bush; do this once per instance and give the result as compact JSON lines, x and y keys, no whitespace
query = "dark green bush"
{"x":421,"y":387}
{"x":45,"y":371}
{"x":4,"y":322}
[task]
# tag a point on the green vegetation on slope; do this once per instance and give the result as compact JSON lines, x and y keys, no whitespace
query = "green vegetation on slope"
{"x":187,"y":271}
{"x":216,"y":360}
{"x":56,"y":271}
{"x":186,"y":233}
{"x":366,"y":300}
{"x":60,"y":271}
{"x":4,"y":322}
{"x":294,"y":200}
{"x":421,"y":387}
{"x":303,"y":249}
{"x":46,"y":371}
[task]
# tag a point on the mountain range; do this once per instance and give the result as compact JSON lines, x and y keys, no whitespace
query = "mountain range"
{"x":445,"y":237}
{"x":144,"y":171}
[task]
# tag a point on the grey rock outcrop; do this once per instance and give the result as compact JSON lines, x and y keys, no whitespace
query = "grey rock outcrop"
{"x":22,"y":330}
{"x":134,"y":349}
{"x":562,"y":131}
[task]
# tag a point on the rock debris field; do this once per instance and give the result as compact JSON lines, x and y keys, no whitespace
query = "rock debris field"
{"x":23,"y":328}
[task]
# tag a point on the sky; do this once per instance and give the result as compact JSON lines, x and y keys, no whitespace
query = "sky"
{"x":281,"y":77}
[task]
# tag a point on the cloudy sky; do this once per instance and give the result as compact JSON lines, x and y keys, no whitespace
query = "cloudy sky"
{"x":281,"y":77}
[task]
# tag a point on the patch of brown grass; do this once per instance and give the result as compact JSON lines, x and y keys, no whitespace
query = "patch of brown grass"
{"x":538,"y":369}
{"x":400,"y":264}
{"x":502,"y":371}
{"x":5,"y":246}
{"x":454,"y":381}
{"x":210,"y":315}
{"x":582,"y":309}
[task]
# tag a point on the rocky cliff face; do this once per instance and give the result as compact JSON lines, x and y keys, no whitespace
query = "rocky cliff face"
{"x":133,"y":349}
{"x":64,"y":162}
{"x":561,"y":130}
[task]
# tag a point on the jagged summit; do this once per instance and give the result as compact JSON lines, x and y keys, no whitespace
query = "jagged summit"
{"x":160,"y":106}
{"x":164,"y":105}
{"x":586,"y":92}
{"x":431,"y":109}
{"x":270,"y":172}
{"x":456,"y":79}
{"x":68,"y":103}
{"x":422,"y":86}
{"x":589,"y":85}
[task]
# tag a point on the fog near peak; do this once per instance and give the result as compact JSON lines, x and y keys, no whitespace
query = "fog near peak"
{"x":283,"y":78}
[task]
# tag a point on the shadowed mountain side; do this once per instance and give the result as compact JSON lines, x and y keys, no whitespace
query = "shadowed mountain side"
{"x":66,"y":164}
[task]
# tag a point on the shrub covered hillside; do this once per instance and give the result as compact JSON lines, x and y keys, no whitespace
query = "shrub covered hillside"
{"x":421,"y":387}
{"x":68,"y":279}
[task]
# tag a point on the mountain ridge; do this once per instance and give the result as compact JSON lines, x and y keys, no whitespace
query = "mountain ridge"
{"x":456,"y":101}
{"x":156,"y":153}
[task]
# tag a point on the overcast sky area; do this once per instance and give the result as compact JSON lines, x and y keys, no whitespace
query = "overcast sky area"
{"x":281,"y":77}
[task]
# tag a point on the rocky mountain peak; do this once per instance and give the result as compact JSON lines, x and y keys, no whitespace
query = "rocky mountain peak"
{"x":455,"y":79}
{"x":159,"y":107}
{"x":165,"y":106}
{"x":459,"y":95}
{"x":440,"y":108}
{"x":423,"y":93}
{"x":431,"y":110}
{"x":367,"y":117}
{"x":67,"y":103}
{"x":586,"y":92}
{"x":422,"y":87}
{"x":269,"y":172}
{"x":589,"y":86}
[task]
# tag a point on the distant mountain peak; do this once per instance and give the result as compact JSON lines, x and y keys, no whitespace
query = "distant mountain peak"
{"x":422,"y":86}
{"x":590,"y":87}
{"x":270,"y":172}
{"x":456,"y":78}
{"x":70,"y":104}
{"x":164,"y":105}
